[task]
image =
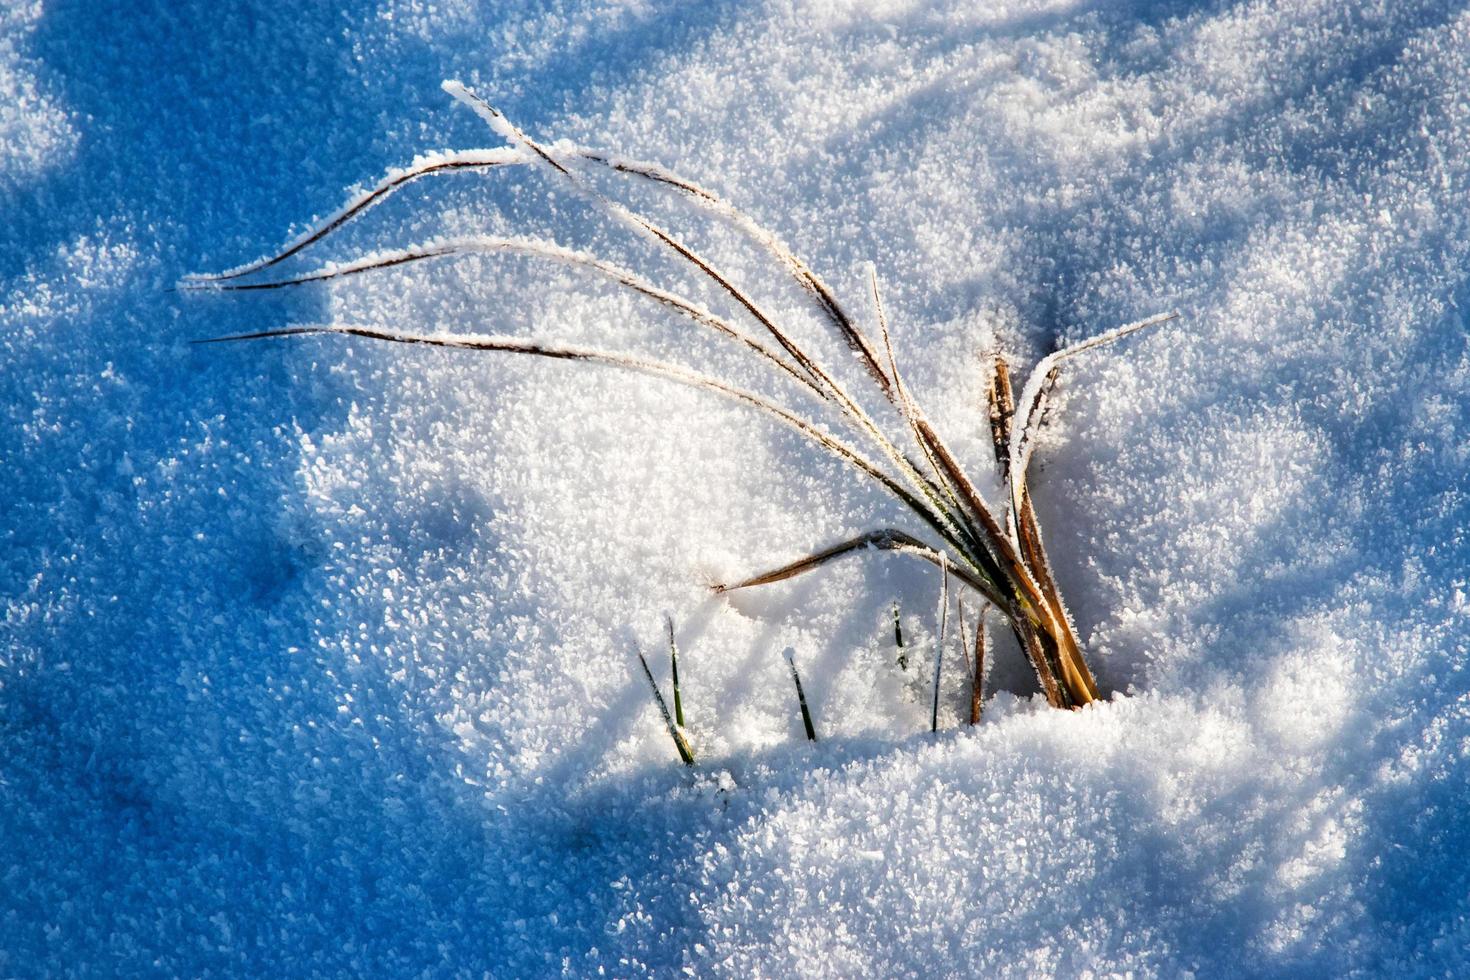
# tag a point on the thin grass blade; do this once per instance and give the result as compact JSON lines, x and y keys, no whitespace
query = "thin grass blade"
{"x":962,"y":638}
{"x":686,"y":754}
{"x":366,"y":200}
{"x":905,"y":403}
{"x":884,"y":540}
{"x":939,"y":643}
{"x":535,"y":248}
{"x":674,"y":671}
{"x":977,"y":676}
{"x":806,"y":715}
{"x":826,"y":300}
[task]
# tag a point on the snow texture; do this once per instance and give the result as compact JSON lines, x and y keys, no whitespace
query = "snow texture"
{"x":317,"y":655}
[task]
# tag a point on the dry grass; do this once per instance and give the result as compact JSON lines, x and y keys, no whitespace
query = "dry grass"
{"x":996,"y":553}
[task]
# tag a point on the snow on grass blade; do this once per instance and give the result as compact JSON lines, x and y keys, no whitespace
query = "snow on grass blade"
{"x":368,"y":199}
{"x":1033,"y":395}
{"x":504,"y":128}
{"x":686,"y":754}
{"x":1002,"y":409}
{"x":826,"y":300}
{"x":484,"y":159}
{"x":806,"y":715}
{"x":536,"y":248}
{"x":674,"y":670}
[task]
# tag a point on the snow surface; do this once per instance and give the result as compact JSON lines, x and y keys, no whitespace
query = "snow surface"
{"x":316,"y":654}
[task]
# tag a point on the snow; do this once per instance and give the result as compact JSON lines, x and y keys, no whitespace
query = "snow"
{"x":34,"y":131}
{"x":316,"y":655}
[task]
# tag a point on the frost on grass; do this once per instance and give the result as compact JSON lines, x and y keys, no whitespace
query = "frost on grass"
{"x":996,"y":552}
{"x":305,"y":661}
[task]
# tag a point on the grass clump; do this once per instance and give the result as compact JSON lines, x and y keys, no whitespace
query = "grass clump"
{"x":994,"y":551}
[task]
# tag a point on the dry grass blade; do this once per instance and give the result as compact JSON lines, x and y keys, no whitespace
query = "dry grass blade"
{"x":484,"y":244}
{"x":962,"y":638}
{"x":686,"y":754}
{"x":1073,"y":667}
{"x":389,"y":185}
{"x":977,"y":668}
{"x":885,"y":540}
{"x":1002,"y":409}
{"x":368,"y":263}
{"x":826,"y":300}
{"x":806,"y":715}
{"x":1043,"y":660}
{"x":982,"y":649}
{"x":1067,"y":661}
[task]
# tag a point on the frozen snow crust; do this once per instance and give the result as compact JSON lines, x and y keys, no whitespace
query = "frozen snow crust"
{"x":316,"y":655}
